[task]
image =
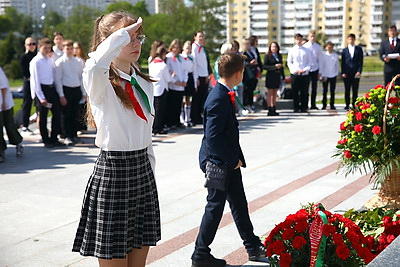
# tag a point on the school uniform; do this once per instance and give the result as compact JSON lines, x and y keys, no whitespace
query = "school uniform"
{"x":120,"y":210}
{"x":43,"y":88}
{"x":316,"y":53}
{"x":69,"y":82}
{"x":274,"y":76}
{"x":352,"y":62}
{"x":391,"y":68}
{"x":329,"y":69}
{"x":203,"y":70}
{"x":6,"y":115}
{"x":175,"y":93}
{"x":159,"y":71}
{"x":299,"y":58}
{"x":190,"y":67}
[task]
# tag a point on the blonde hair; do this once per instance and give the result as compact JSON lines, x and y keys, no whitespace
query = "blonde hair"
{"x":104,"y":26}
{"x":173,"y":43}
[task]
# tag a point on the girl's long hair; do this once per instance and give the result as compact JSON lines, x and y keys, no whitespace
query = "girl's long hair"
{"x":269,"y":53}
{"x":104,"y":26}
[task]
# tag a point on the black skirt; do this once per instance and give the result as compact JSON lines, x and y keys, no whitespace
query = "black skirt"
{"x":120,"y":209}
{"x":273,"y":79}
{"x":190,"y":88}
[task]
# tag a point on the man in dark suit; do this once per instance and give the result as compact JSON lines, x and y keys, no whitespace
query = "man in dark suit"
{"x":220,"y":145}
{"x":352,"y":63}
{"x":389,"y":53}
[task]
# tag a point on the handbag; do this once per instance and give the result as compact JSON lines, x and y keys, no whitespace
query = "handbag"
{"x":215,"y":176}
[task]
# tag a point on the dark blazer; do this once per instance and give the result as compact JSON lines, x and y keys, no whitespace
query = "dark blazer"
{"x":274,"y":75}
{"x":393,"y":65}
{"x":353,"y":65}
{"x":220,"y":142}
{"x":249,"y":56}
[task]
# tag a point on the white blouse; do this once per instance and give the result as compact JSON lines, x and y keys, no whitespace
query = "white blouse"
{"x":159,"y":71}
{"x":190,"y":66}
{"x":175,"y":64}
{"x":118,"y":128}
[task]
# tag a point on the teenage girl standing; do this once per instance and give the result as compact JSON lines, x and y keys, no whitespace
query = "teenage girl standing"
{"x":120,"y":215}
{"x":190,"y":67}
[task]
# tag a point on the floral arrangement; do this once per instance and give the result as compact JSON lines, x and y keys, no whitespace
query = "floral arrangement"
{"x":340,"y":243}
{"x":380,"y":225}
{"x":366,"y":142}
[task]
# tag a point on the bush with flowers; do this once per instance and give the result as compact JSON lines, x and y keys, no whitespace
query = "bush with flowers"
{"x":366,"y":142}
{"x":340,"y":243}
{"x":380,"y":225}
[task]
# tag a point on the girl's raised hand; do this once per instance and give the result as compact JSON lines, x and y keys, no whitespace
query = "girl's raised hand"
{"x":132,"y":29}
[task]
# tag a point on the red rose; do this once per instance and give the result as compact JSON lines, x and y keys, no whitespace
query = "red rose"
{"x":358,"y":128}
{"x":387,"y":86}
{"x":342,"y":127}
{"x":302,"y":214}
{"x":342,"y":142}
{"x":288,"y":234}
{"x":328,"y":229}
{"x":387,"y":221}
{"x":353,"y":237}
{"x":347,"y":154}
{"x":337,"y":239}
{"x":367,"y":95}
{"x":378,"y":86}
{"x":278,"y":247}
{"x":342,"y":252}
{"x":299,"y":242}
{"x":376,"y":130}
{"x":366,"y":105}
{"x":359,"y":116}
{"x":301,"y":226}
{"x":285,"y":260}
{"x":393,"y":100}
{"x":365,"y":254}
{"x":370,"y":241}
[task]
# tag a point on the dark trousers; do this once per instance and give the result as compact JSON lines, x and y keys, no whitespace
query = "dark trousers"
{"x":70,"y":112}
{"x":27,"y":103}
{"x":332,"y":84}
{"x":160,"y":107}
{"x":174,"y":106}
{"x":52,"y":97}
{"x":7,"y":121}
{"x":350,"y":83}
{"x":198,"y":100}
{"x":248,"y":91}
{"x":388,"y":76}
{"x":300,"y":85}
{"x":213,"y":213}
{"x":314,"y":86}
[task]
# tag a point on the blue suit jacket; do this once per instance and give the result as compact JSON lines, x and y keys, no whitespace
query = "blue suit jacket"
{"x":351,"y":66}
{"x":220,"y":143}
{"x":393,"y":65}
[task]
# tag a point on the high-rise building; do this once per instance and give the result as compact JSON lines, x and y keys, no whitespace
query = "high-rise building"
{"x":280,"y":20}
{"x":37,"y":8}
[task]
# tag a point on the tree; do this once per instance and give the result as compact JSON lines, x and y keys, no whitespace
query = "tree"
{"x":138,"y":10}
{"x":51,"y":24}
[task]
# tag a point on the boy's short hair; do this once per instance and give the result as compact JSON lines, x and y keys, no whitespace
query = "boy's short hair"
{"x":351,"y":35}
{"x":229,"y":64}
{"x":58,"y":34}
{"x":298,"y":36}
{"x":44,"y":41}
{"x":68,"y":43}
{"x":329,"y":43}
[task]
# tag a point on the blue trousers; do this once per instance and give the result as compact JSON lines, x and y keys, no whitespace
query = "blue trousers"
{"x":213,"y":213}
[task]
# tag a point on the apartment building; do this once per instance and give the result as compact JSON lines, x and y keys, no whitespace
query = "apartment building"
{"x":279,"y":20}
{"x":37,"y":8}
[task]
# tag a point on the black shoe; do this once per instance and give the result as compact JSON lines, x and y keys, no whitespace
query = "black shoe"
{"x":303,"y":111}
{"x":324,"y":107}
{"x":257,"y":253}
{"x":333,"y":107}
{"x":346,"y":108}
{"x":163,"y":131}
{"x":209,"y":262}
{"x":296,"y":110}
{"x":315,"y":107}
{"x":58,"y":144}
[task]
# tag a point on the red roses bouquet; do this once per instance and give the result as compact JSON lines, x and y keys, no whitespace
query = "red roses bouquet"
{"x":370,"y":136}
{"x":315,"y":237}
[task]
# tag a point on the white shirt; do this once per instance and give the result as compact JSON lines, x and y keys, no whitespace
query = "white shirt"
{"x":57,"y":53}
{"x":175,"y":64}
{"x":200,"y":58}
{"x":299,"y":58}
{"x":316,"y":52}
{"x":118,"y":128}
{"x":68,"y":73}
{"x":159,"y":71}
{"x":329,"y":66}
{"x":351,"y":50}
{"x":395,"y":41}
{"x":190,"y":66}
{"x":4,"y":85}
{"x":42,"y":72}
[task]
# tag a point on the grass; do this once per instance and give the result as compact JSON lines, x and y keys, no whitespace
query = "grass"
{"x":18,"y":106}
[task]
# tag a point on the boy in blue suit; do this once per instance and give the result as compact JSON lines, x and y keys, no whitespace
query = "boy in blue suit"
{"x":352,"y":63}
{"x":220,"y":145}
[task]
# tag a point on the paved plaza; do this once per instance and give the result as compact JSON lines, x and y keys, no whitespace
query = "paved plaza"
{"x":289,"y":162}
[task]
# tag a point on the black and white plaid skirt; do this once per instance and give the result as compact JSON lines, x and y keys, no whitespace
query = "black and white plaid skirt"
{"x":120,"y":210}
